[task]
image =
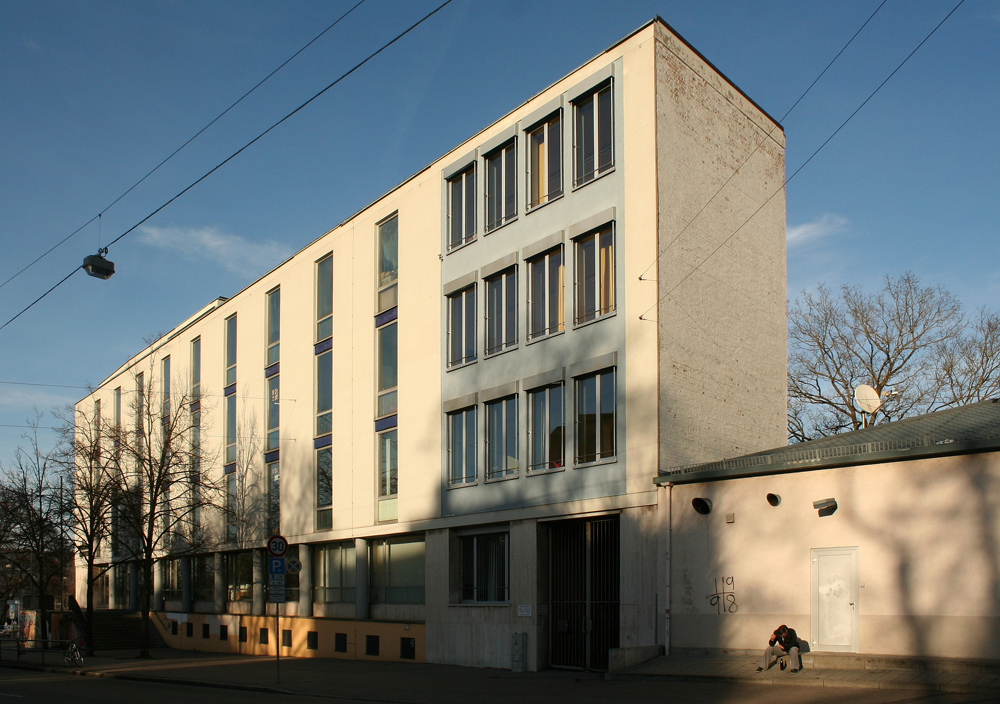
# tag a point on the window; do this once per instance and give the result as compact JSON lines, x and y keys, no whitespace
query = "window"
{"x":501,"y":312}
{"x":230,"y":351}
{"x":546,"y":312}
{"x":397,"y":571}
{"x":324,"y":393}
{"x":546,"y":428}
{"x":388,"y":263}
{"x":172,"y":579}
{"x":595,"y":417}
{"x":462,"y":327}
{"x":387,"y":369}
{"x":387,"y":463}
{"x":273,"y":498}
{"x":462,"y":208}
{"x":238,"y":568}
{"x":195,"y":369}
{"x":484,"y":567}
{"x":203,"y":578}
{"x":230,"y":429}
{"x":273,"y":394}
{"x":140,"y":412}
{"x":501,"y":438}
{"x":273,"y":325}
{"x":324,"y":489}
{"x":232,"y":506}
{"x":595,"y":275}
{"x":594,"y":146}
{"x":116,"y":404}
{"x":501,"y":186}
{"x":462,"y":447}
{"x":324,"y":298}
{"x":334,"y":573}
{"x":545,"y":161}
{"x":195,"y":476}
{"x":165,"y":389}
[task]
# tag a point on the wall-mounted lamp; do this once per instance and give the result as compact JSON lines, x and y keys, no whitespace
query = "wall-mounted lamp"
{"x":826,"y":507}
{"x":702,"y":506}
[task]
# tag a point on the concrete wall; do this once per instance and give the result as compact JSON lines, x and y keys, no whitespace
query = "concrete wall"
{"x":721,"y":314}
{"x":928,"y":538}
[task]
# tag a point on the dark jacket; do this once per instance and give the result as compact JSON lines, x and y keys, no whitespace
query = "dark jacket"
{"x":787,"y":642}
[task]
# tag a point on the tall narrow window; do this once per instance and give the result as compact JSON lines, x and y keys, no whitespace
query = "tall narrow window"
{"x":594,"y":146}
{"x":140,"y":393}
{"x":232,"y":507}
{"x":388,"y":262}
{"x":116,"y":410}
{"x":324,"y":298}
{"x":195,"y":474}
{"x":595,"y":417}
{"x":195,"y":369}
{"x":324,"y":393}
{"x":484,"y":567}
{"x":273,"y":404}
{"x":462,"y":327}
{"x":273,"y":325}
{"x":546,"y":311}
{"x":595,"y":275}
{"x":501,"y":312}
{"x":273,"y":498}
{"x":230,"y":350}
{"x":387,"y":369}
{"x":324,"y":489}
{"x":230,"y":420}
{"x":501,"y":438}
{"x":462,"y":446}
{"x":387,"y":463}
{"x":462,"y":208}
{"x":546,"y":429}
{"x":165,"y":389}
{"x":501,"y":186}
{"x":545,"y":161}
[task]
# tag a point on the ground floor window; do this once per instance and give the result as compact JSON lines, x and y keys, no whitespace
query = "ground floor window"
{"x":172,"y":579}
{"x":485,"y":567}
{"x":238,"y":568}
{"x":397,"y":570}
{"x":334,"y":576}
{"x":203,"y":577}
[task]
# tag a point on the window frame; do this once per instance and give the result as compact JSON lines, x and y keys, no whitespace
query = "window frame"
{"x":508,"y":313}
{"x":323,"y":307}
{"x":386,"y":397}
{"x":387,"y":280}
{"x":229,"y":374}
{"x":272,"y":326}
{"x":470,"y":551}
{"x":388,"y":487}
{"x":581,"y":175}
{"x":468,"y":419}
{"x":505,"y":156}
{"x":272,"y":435}
{"x":505,"y":411}
{"x":467,"y":296}
{"x":532,"y":186}
{"x":345,"y":572}
{"x":603,"y":291}
{"x":196,"y":369}
{"x":546,"y":444}
{"x":272,"y":474}
{"x":601,"y":454}
{"x":465,"y":182}
{"x":165,"y":389}
{"x":544,"y":260}
{"x":323,"y":415}
{"x":324,"y":511}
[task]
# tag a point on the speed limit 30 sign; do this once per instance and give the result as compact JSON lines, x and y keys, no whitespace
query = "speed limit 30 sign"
{"x":277,"y":546}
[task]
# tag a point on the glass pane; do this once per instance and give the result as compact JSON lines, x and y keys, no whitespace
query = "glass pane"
{"x":494,"y":191}
{"x":494,"y":314}
{"x":324,"y":477}
{"x":557,"y":313}
{"x":273,"y":393}
{"x":586,"y":419}
{"x":585,"y":140}
{"x":388,"y":260}
{"x":607,"y":303}
{"x":230,"y":343}
{"x":536,"y":166}
{"x":538,"y":428}
{"x":195,"y":365}
{"x":456,"y":346}
{"x":557,"y":427}
{"x":387,"y":357}
{"x":324,"y":328}
{"x":387,"y":463}
{"x":605,"y":130}
{"x":324,"y":382}
{"x":608,"y":414}
{"x":510,"y":427}
{"x":536,"y":316}
{"x":510,"y":185}
{"x":273,"y":316}
{"x":555,"y":158}
{"x":456,"y":226}
{"x":324,"y":519}
{"x":586,"y":279}
{"x":230,"y":428}
{"x":510,"y":309}
{"x":457,"y":432}
{"x":494,"y":439}
{"x":470,"y":445}
{"x":470,"y":203}
{"x":324,"y":288}
{"x":470,"y":325}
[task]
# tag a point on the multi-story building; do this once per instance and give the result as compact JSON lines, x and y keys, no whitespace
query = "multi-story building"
{"x":455,"y":402}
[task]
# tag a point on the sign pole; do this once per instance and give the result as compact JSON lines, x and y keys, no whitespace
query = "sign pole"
{"x":277,"y":646}
{"x":277,"y":546}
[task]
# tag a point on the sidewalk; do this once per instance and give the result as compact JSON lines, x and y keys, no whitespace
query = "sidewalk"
{"x":418,"y":682}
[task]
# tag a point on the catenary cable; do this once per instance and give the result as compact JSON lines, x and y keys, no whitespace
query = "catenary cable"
{"x":803,"y":165}
{"x":761,"y":143}
{"x":248,"y":145}
{"x":175,"y":152}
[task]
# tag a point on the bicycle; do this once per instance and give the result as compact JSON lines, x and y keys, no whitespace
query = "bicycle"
{"x":72,"y":655}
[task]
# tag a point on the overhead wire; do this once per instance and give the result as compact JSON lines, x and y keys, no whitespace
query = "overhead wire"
{"x":761,"y":143}
{"x":178,"y":149}
{"x":803,"y":165}
{"x":246,"y":146}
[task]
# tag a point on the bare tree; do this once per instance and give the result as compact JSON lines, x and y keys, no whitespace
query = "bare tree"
{"x":32,"y":506}
{"x":162,"y":488}
{"x":909,"y":342}
{"x":246,"y":498}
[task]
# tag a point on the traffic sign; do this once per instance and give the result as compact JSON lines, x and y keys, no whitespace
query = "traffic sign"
{"x":276,"y":592}
{"x":292,"y":566}
{"x":276,"y":565}
{"x":277,"y":546}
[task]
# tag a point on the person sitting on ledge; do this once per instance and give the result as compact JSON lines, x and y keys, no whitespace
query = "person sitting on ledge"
{"x":783,"y":642}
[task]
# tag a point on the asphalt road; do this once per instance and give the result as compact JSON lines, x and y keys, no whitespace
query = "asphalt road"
{"x":31,"y":687}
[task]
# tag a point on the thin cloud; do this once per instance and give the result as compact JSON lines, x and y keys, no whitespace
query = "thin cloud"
{"x":232,"y":252}
{"x":810,"y":232}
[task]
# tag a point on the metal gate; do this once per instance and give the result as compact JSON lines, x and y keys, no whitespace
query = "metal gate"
{"x":583,"y":598}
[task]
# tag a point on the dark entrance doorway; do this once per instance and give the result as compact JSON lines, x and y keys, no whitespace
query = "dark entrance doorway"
{"x":583,"y":594}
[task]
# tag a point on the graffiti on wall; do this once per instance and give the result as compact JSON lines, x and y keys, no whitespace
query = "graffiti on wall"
{"x":724,"y":596}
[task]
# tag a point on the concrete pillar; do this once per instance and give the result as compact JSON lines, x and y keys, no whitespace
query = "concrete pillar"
{"x":305,"y":581}
{"x":186,"y":586}
{"x":362,"y":603}
{"x":133,"y":585}
{"x":220,"y":584}
{"x":159,"y":568}
{"x":113,"y":595}
{"x":259,"y":575}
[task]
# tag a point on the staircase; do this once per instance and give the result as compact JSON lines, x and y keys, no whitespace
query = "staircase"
{"x":121,"y":630}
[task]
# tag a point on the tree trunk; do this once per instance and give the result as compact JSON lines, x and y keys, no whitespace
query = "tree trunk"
{"x":145,"y":588}
{"x":91,"y":579}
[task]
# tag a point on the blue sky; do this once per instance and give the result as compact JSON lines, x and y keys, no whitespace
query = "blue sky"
{"x":93,"y":95}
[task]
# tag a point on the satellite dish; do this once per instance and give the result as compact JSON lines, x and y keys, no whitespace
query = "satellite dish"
{"x":867,"y":398}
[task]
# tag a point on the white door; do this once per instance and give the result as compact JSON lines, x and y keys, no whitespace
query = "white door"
{"x":834,"y":622}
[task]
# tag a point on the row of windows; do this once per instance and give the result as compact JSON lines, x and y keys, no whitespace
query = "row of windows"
{"x":594,"y":431}
{"x":593,"y":155}
{"x":594,"y":297}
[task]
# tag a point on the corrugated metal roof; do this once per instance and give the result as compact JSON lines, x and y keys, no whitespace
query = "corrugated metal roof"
{"x":971,"y":428}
